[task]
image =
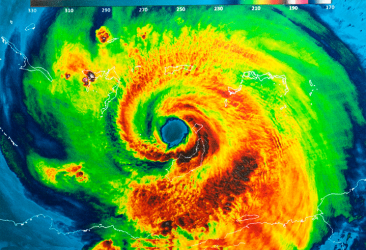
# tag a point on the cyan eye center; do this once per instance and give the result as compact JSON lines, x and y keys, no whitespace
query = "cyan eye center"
{"x":173,"y":132}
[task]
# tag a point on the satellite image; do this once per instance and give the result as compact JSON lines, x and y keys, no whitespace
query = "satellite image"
{"x":183,"y":127}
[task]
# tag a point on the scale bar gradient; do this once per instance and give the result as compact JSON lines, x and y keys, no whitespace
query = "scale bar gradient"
{"x":116,"y":3}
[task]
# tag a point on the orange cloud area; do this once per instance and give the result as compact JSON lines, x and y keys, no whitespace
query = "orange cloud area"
{"x":103,"y":34}
{"x":72,"y":170}
{"x":237,"y":181}
{"x":106,"y":245}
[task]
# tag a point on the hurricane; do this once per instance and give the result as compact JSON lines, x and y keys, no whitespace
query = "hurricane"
{"x":191,"y":130}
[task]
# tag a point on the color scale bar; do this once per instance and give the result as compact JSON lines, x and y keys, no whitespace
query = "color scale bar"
{"x":116,"y":3}
{"x":273,"y":2}
{"x":259,"y":2}
{"x":320,"y":1}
